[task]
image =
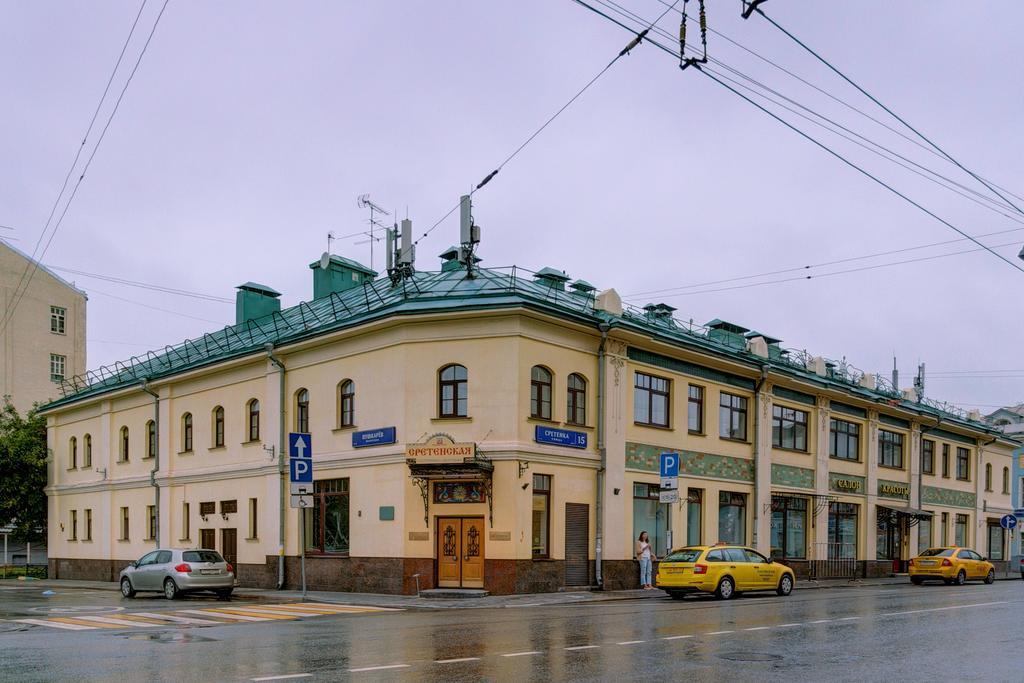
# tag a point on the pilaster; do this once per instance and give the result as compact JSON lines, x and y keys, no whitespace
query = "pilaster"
{"x":762,"y":539}
{"x":820,"y":521}
{"x":915,"y":480}
{"x":617,"y":411}
{"x":870,"y":510}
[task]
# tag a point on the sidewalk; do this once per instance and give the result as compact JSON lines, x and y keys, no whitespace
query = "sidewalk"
{"x":490,"y":601}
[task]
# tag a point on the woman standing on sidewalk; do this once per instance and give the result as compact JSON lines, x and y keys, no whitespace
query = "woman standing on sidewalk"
{"x":645,"y":555}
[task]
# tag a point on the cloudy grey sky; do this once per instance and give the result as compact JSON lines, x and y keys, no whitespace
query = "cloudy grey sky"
{"x":251,"y":127}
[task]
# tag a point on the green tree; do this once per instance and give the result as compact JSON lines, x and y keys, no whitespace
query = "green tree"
{"x":23,"y":473}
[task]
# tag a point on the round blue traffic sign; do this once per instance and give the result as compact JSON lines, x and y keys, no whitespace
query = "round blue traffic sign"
{"x":1008,"y":521}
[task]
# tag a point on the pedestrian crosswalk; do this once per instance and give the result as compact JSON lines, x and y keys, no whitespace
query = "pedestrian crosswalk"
{"x":229,"y":613}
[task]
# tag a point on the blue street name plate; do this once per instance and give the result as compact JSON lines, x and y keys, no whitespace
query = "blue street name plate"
{"x":373,"y":437}
{"x":560,"y":437}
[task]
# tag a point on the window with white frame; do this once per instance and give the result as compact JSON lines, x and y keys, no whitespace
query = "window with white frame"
{"x":58,"y":365}
{"x":58,"y":318}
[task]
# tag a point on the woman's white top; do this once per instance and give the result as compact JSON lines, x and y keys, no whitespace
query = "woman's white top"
{"x":645,"y":551}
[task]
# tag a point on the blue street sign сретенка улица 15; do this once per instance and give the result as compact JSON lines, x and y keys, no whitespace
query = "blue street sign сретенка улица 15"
{"x":560,"y":437}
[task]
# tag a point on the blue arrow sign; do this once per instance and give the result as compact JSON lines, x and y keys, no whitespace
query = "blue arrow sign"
{"x":300,"y":445}
{"x":669,"y":465}
{"x":1008,"y":521}
{"x":300,"y":470}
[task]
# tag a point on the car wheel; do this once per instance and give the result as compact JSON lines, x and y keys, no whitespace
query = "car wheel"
{"x":726,"y":589}
{"x":126,"y":588}
{"x":224,"y":592}
{"x":171,"y":589}
{"x":961,"y":578}
{"x":785,"y":585}
{"x":990,"y":578}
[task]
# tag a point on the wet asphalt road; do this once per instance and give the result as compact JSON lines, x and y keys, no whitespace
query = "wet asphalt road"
{"x":901,"y":633}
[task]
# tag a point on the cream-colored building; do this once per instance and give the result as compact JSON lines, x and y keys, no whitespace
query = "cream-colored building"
{"x":44,"y":341}
{"x":503,"y":431}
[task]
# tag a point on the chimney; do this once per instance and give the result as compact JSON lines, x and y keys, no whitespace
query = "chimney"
{"x":757,"y":346}
{"x":254,"y":300}
{"x":337,"y":273}
{"x":867,"y":380}
{"x":609,"y":301}
{"x":549,"y":277}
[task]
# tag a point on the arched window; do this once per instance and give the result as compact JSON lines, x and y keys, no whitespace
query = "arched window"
{"x":122,"y":453}
{"x":302,"y":411}
{"x":151,"y":439}
{"x":347,"y":403}
{"x":254,"y":420}
{"x":540,"y":392}
{"x":988,"y":477}
{"x":576,"y":401}
{"x":87,"y":450}
{"x":186,"y":433}
{"x":453,"y":391}
{"x":73,"y":453}
{"x":218,"y":427}
{"x":1006,"y":480}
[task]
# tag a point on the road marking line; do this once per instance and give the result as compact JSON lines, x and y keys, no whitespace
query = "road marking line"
{"x":252,"y":613}
{"x":308,"y":608}
{"x":718,"y":633}
{"x":847,"y":618}
{"x":456,"y":660}
{"x":278,"y":678}
{"x":348,"y":608}
{"x":525,"y":604}
{"x":787,"y":625}
{"x":940,"y":609}
{"x":582,"y":647}
{"x":631,"y":642}
{"x":223,"y":615}
{"x":757,"y":628}
{"x":75,"y":620}
{"x":522,"y":654}
{"x":272,"y":611}
{"x":116,"y":621}
{"x":142,"y":619}
{"x":820,"y":621}
{"x":676,"y":637}
{"x":380,"y":668}
{"x":44,"y":622}
{"x":180,"y":620}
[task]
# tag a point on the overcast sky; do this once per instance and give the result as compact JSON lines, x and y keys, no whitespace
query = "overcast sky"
{"x":251,"y":128}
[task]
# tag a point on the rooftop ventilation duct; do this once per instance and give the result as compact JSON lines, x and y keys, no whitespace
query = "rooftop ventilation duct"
{"x":549,"y":277}
{"x":336,"y":274}
{"x":727,"y":333}
{"x":254,"y":300}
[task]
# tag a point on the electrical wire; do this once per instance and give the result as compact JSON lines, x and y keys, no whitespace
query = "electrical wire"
{"x":34,"y":265}
{"x":145,"y":285}
{"x":91,"y":290}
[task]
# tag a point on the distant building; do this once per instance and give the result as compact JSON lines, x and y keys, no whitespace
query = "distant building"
{"x":44,"y":342}
{"x":1009,"y":419}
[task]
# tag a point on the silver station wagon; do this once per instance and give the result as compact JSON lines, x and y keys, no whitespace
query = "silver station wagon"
{"x":176,"y":571}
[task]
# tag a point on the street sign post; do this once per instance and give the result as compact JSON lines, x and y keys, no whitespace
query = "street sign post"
{"x":300,"y":478}
{"x":1008,"y":522}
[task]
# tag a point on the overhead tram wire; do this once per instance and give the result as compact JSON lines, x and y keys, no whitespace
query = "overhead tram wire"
{"x":74,"y":163}
{"x":814,"y":140}
{"x":887,"y":109}
{"x":34,"y":266}
{"x":979,"y":198}
{"x":637,"y":40}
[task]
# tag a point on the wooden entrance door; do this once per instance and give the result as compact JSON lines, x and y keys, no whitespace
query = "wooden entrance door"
{"x":208,"y":539}
{"x":460,"y":552}
{"x":229,"y":545}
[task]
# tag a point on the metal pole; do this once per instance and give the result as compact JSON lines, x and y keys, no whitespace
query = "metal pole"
{"x":302,"y":550}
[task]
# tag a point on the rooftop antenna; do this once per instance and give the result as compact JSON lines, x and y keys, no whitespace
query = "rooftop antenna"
{"x":895,"y":375}
{"x":919,"y":382}
{"x":469,"y":234}
{"x":364,"y":203}
{"x":330,"y":238}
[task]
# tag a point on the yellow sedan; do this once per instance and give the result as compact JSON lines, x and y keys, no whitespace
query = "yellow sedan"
{"x":724,"y":570}
{"x":952,"y":565}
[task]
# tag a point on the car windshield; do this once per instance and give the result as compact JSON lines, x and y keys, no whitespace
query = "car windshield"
{"x":201,"y":556}
{"x":937,"y":552}
{"x":684,"y":555}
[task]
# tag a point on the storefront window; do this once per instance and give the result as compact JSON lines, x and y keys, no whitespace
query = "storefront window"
{"x":694,"y":519}
{"x":995,"y":542}
{"x":924,"y":535}
{"x":842,"y":531}
{"x":944,"y":539}
{"x":541,"y":514}
{"x":732,"y":518}
{"x":651,"y":516}
{"x":789,"y":523}
{"x":961,"y":530}
{"x":327,"y":528}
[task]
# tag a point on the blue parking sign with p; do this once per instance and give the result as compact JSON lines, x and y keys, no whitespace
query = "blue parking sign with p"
{"x":301,"y":470}
{"x":669,"y":464}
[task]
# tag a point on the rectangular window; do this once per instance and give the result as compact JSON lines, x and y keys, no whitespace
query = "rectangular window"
{"x":651,"y":400}
{"x":963,"y":464}
{"x":186,"y":522}
{"x":995,"y":542}
{"x":254,"y":527}
{"x":150,"y":522}
{"x":789,"y":428}
{"x":541,"y":515}
{"x":58,"y":316}
{"x":924,"y":535}
{"x":88,"y":524}
{"x":732,"y":417}
{"x":207,"y":508}
{"x":944,"y":529}
{"x":945,"y":460}
{"x":694,"y":516}
{"x":74,"y":526}
{"x":927,"y":456}
{"x":695,"y":410}
{"x":651,"y":516}
{"x":890,"y":449}
{"x":961,"y":530}
{"x":124,"y":524}
{"x":228,"y":507}
{"x":842,"y":531}
{"x":58,"y":364}
{"x":844,"y":440}
{"x":327,"y":529}
{"x":732,"y":518}
{"x":789,"y":527}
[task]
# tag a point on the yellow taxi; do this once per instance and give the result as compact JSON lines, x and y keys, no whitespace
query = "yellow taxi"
{"x":952,"y":565}
{"x":722,"y":569}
